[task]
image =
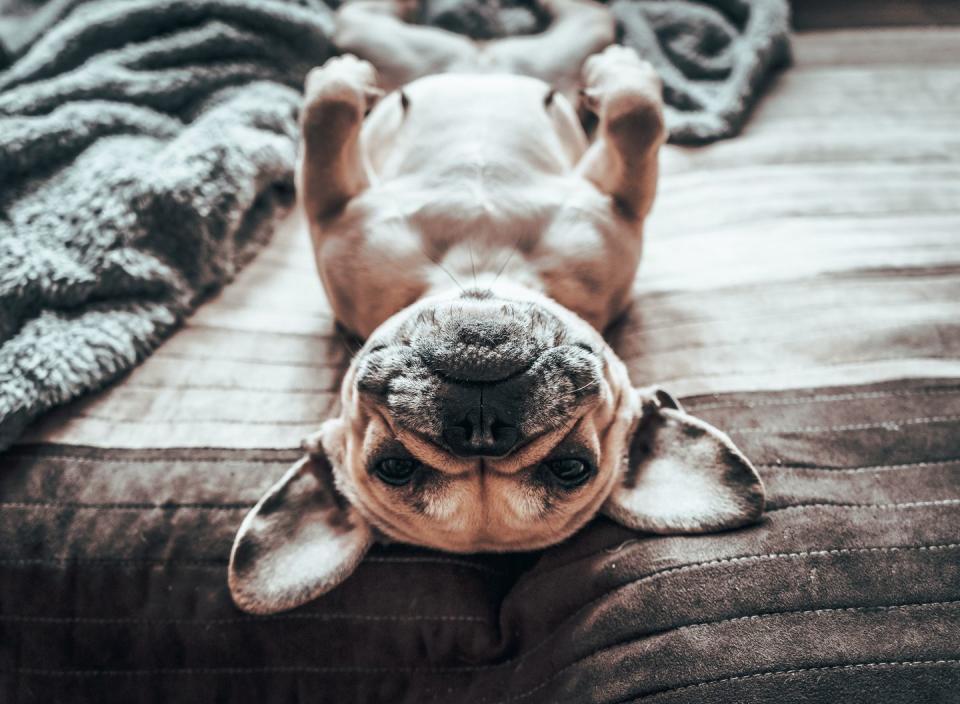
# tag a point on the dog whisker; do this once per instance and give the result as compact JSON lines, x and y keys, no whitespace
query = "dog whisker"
{"x":595,"y":382}
{"x":399,"y":213}
{"x":346,"y":342}
{"x":506,"y":261}
{"x":452,"y":277}
{"x":473,"y":266}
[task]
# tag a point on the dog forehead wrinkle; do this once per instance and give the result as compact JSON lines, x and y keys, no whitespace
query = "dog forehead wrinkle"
{"x":432,"y":455}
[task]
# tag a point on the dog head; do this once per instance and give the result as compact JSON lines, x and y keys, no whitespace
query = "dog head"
{"x":483,"y":422}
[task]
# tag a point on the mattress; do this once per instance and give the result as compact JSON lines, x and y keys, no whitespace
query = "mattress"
{"x":800,"y":289}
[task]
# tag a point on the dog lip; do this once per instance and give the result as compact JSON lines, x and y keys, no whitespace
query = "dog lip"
{"x":519,"y":447}
{"x":450,"y":377}
{"x":447,"y":376}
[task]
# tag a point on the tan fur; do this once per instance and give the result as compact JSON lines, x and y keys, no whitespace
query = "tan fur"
{"x":484,"y":506}
{"x":477,"y":182}
{"x":472,"y":204}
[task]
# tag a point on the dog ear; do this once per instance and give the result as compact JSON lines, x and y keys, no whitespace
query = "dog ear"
{"x":300,"y":541}
{"x":682,"y":475}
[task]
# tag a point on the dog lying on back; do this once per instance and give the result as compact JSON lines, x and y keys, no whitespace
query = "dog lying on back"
{"x":466,"y":227}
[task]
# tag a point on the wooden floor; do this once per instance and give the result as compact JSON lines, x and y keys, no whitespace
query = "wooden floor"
{"x":822,"y":246}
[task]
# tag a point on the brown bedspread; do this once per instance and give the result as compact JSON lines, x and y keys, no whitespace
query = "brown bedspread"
{"x":800,"y":289}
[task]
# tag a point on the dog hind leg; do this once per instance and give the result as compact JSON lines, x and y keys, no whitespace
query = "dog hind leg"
{"x":332,"y":168}
{"x":579,"y":29}
{"x":626,"y":95}
{"x":379,"y":31}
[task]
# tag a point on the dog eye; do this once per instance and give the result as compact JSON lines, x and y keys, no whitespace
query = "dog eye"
{"x":396,"y":471}
{"x":570,"y":472}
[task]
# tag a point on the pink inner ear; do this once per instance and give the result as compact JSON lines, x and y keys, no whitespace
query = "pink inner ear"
{"x":684,"y":476}
{"x":299,"y":541}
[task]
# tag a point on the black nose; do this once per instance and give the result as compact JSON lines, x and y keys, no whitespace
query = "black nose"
{"x":480,"y":421}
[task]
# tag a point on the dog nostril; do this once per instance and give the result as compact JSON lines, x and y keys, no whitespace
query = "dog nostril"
{"x":468,"y":437}
{"x":460,"y":434}
{"x":504,"y":437}
{"x":472,"y":424}
{"x":456,"y":436}
{"x":499,"y":429}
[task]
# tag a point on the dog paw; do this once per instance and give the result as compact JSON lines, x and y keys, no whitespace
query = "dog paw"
{"x":407,"y":10}
{"x":585,"y":9}
{"x":615,"y":72}
{"x":344,"y":78}
{"x":618,"y":61}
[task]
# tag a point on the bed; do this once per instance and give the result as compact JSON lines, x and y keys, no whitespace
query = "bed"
{"x":800,"y":289}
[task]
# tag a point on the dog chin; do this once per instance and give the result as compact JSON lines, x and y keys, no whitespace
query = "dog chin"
{"x":457,"y":542}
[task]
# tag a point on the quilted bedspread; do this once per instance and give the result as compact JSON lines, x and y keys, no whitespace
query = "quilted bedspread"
{"x":800,"y":289}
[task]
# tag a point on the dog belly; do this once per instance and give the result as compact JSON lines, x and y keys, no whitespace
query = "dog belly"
{"x":474,"y":180}
{"x":454,"y":126}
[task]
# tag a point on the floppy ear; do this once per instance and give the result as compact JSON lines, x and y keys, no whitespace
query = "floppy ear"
{"x":682,"y":475}
{"x":300,"y":541}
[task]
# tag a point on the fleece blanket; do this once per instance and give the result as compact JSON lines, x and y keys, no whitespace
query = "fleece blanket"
{"x":146,"y":146}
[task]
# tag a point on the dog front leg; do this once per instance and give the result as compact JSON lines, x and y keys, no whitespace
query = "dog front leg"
{"x":332,"y":169}
{"x":626,"y":95}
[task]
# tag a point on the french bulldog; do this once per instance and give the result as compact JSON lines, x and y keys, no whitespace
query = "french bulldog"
{"x":468,"y":228}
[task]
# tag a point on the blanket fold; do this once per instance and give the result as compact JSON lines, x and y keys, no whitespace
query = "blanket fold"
{"x":146,"y":147}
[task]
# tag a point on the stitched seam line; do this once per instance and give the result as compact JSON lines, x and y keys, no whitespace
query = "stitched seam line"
{"x":192,"y":421}
{"x":434,"y":560}
{"x":822,"y":398}
{"x":734,"y":678}
{"x":442,"y":618}
{"x":514,"y":661}
{"x":240,"y":506}
{"x":295,"y":670}
{"x":808,"y":612}
{"x":332,"y":336}
{"x":797,"y":371}
{"x":892,"y":507}
{"x":26,"y":454}
{"x":287,"y":457}
{"x":17,"y":618}
{"x":315,"y":391}
{"x":755,"y":617}
{"x":218,"y":563}
{"x":887,"y":425}
{"x":658,"y":301}
{"x":670,"y":323}
{"x":380,"y":670}
{"x":906,"y":320}
{"x":652,"y":576}
{"x":118,"y":506}
{"x":311,"y":313}
{"x":250,"y":360}
{"x":114,"y":561}
{"x":866,"y":468}
{"x":825,"y":668}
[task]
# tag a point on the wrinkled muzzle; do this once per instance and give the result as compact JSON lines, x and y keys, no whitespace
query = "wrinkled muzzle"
{"x":481,"y":376}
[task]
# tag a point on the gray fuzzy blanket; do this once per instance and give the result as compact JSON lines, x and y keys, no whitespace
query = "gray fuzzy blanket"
{"x":147,"y":145}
